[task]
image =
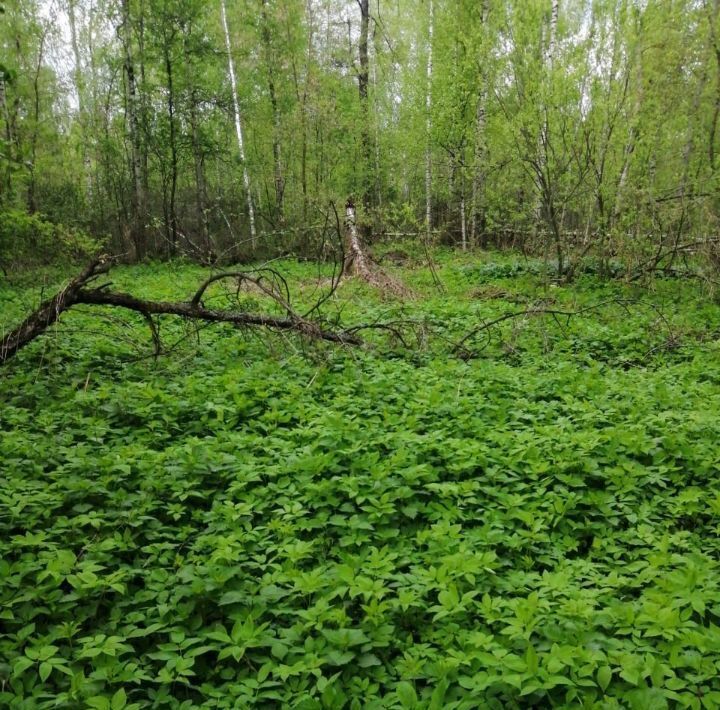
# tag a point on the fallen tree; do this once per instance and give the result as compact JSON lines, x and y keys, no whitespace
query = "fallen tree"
{"x":83,"y":290}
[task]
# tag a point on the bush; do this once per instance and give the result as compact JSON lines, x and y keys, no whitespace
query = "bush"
{"x":30,"y":240}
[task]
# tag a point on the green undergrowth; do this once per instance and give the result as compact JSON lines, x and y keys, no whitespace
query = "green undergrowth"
{"x":255,"y":521}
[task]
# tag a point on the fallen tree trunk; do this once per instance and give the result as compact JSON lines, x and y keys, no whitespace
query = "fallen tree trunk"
{"x":78,"y":293}
{"x":99,"y":297}
{"x":49,"y":311}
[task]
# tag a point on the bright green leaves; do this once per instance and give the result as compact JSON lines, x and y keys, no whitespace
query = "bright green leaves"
{"x":344,"y":638}
{"x":118,"y":701}
{"x":45,"y":658}
{"x":604,"y":676}
{"x":406,"y":695}
{"x":243,"y":635}
{"x":363,"y":531}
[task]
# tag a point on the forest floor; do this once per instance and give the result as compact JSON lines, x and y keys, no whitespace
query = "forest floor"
{"x":530,"y":520}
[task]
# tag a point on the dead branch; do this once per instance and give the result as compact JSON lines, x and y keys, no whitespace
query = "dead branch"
{"x":50,"y":310}
{"x":77,"y":292}
{"x":460,"y":348}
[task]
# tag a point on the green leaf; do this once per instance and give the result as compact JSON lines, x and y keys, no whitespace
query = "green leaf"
{"x":45,"y":670}
{"x":21,"y":664}
{"x":604,"y":676}
{"x":406,"y":695}
{"x":437,"y":699}
{"x":118,"y":700}
{"x":531,"y":659}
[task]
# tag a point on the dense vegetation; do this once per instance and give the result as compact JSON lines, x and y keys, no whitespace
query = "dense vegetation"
{"x":562,"y":125}
{"x":449,"y":477}
{"x":261,"y":522}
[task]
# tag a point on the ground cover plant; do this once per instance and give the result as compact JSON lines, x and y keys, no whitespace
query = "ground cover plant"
{"x":260,"y":521}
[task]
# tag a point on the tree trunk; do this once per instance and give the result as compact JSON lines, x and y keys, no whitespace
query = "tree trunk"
{"x":200,"y":183}
{"x":276,"y":145}
{"x":355,"y":260}
{"x":80,"y":89}
{"x":633,"y":138}
{"x":238,"y":125}
{"x":363,"y":82}
{"x":6,"y":195}
{"x":477,"y":218}
{"x":76,"y":292}
{"x":139,"y":206}
{"x":173,"y":227}
{"x":428,"y":123}
{"x":31,"y":202}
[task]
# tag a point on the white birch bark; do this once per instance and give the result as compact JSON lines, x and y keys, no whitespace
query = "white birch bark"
{"x":355,"y":261}
{"x":238,"y":124}
{"x":554,"y":12}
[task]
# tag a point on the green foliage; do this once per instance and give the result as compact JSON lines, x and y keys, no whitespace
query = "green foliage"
{"x":28,"y":239}
{"x":227,"y":528}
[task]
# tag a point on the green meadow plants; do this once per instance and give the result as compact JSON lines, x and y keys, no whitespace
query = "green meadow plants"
{"x":258,"y":522}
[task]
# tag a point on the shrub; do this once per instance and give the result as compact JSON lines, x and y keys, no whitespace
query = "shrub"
{"x":30,"y":240}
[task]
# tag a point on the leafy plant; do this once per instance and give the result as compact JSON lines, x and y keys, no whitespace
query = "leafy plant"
{"x":242,"y":525}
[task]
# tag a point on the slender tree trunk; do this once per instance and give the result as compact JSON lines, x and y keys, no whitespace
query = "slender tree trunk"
{"x":554,"y":14}
{"x":200,"y":183}
{"x":712,"y":21}
{"x":548,"y":62}
{"x":477,"y":218}
{"x":31,"y":201}
{"x":376,"y":121}
{"x":633,"y":138}
{"x":143,"y":113}
{"x":6,"y":196}
{"x":238,"y":126}
{"x":545,"y":201}
{"x":363,"y":82}
{"x":80,"y":89}
{"x":428,"y":123}
{"x":276,"y":138}
{"x":173,"y":227}
{"x":139,"y":206}
{"x":302,"y":99}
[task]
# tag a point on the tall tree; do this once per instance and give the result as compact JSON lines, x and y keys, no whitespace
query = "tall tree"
{"x":238,"y":125}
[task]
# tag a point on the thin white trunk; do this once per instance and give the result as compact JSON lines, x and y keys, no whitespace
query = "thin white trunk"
{"x":554,"y":12}
{"x":463,"y":228}
{"x":238,"y":124}
{"x":428,"y":125}
{"x":355,"y":261}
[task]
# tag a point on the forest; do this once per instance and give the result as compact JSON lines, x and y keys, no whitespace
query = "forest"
{"x":359,"y":354}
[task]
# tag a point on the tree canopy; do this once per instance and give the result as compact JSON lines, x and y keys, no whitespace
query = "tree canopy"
{"x":562,"y":124}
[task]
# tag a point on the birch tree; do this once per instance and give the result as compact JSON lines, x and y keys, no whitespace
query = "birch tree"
{"x":238,"y":125}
